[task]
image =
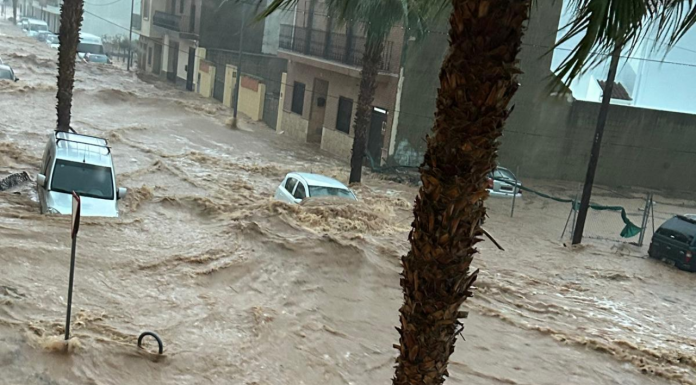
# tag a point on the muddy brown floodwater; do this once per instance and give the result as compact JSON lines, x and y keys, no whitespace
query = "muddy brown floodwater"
{"x":244,"y":290}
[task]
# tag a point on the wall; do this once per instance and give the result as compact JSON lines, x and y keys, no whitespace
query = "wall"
{"x":251,"y":98}
{"x":338,"y":143}
{"x":641,"y":147}
{"x":271,"y":32}
{"x":220,"y":26}
{"x":294,"y":126}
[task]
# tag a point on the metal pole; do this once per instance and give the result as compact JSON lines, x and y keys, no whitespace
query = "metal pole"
{"x":575,"y":213}
{"x":130,"y":37}
{"x":652,"y":211}
{"x":567,"y":220}
{"x":597,"y":145}
{"x":239,"y":68}
{"x":514,"y":191}
{"x":644,"y":224}
{"x":70,"y":287}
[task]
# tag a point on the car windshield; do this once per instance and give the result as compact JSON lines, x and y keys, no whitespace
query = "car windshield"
{"x":38,"y":27}
{"x":503,"y":174}
{"x":320,"y":191}
{"x":6,"y":74}
{"x":85,"y":179}
{"x":90,"y":48}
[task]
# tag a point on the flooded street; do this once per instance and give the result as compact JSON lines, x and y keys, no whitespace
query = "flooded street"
{"x":246,"y":290}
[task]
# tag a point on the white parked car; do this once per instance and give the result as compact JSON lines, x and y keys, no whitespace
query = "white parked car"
{"x":501,"y":184}
{"x":83,"y":164}
{"x":299,"y":185}
{"x":34,"y":27}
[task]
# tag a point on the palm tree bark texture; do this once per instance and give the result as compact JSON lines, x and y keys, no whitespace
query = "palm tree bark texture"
{"x":69,"y":38}
{"x":371,"y":61}
{"x":477,"y":81}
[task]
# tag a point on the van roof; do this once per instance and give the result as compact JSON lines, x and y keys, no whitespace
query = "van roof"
{"x":82,"y":148}
{"x":88,"y":37}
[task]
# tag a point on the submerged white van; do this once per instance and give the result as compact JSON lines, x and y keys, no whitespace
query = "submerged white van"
{"x":83,"y":164}
{"x":89,"y":44}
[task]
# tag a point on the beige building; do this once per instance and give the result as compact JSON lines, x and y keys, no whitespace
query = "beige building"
{"x":168,"y":39}
{"x":323,"y":82}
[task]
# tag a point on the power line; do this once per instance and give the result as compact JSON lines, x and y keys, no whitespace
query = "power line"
{"x":103,"y":5}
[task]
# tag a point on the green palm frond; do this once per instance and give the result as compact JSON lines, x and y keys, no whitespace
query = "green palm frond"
{"x":605,"y":24}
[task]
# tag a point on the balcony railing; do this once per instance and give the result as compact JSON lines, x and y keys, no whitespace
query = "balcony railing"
{"x":333,"y":46}
{"x":137,"y":21}
{"x":183,"y":24}
{"x":166,"y":20}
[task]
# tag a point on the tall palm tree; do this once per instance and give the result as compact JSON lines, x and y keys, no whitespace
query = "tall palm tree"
{"x":377,"y":19}
{"x":477,"y":82}
{"x":69,"y":38}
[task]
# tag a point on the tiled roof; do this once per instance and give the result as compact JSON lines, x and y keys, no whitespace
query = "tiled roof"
{"x":619,"y":91}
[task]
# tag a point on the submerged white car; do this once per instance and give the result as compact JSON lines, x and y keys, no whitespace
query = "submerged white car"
{"x":299,"y":185}
{"x":501,"y":184}
{"x":83,"y":164}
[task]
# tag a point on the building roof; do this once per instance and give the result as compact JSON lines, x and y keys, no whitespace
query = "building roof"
{"x":82,"y":148}
{"x":320,"y":180}
{"x":618,"y":92}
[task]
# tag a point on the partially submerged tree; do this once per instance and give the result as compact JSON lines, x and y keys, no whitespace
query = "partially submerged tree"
{"x":376,"y":18}
{"x":477,"y":82}
{"x":69,"y":38}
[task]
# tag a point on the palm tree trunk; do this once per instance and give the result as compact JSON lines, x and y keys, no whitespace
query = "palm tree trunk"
{"x":477,"y":81}
{"x":371,"y":61}
{"x":69,"y":37}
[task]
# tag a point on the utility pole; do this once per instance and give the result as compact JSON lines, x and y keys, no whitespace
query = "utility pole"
{"x":130,"y":38}
{"x":239,"y":67}
{"x":597,"y":145}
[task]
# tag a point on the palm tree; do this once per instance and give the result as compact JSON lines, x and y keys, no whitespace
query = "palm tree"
{"x":69,"y":38}
{"x":477,"y":82}
{"x":377,"y":19}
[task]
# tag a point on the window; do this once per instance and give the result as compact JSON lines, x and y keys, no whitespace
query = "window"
{"x":146,"y":9}
{"x":345,"y":112}
{"x":149,"y":55}
{"x":85,"y":179}
{"x":298,"y":98}
{"x":300,"y":193}
{"x":503,"y":174}
{"x":320,"y":191}
{"x":181,"y":6}
{"x":290,"y":184}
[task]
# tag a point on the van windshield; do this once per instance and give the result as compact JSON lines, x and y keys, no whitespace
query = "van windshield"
{"x":38,"y":27}
{"x":90,"y":48}
{"x":85,"y":179}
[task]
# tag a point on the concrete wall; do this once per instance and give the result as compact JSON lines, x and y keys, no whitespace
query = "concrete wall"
{"x":251,"y":98}
{"x":294,"y":126}
{"x":337,"y":143}
{"x":281,"y":103}
{"x":641,"y":147}
{"x":184,"y":46}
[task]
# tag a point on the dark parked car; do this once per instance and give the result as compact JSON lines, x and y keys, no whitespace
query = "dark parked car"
{"x":674,"y":241}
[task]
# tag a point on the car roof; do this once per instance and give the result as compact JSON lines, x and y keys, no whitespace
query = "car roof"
{"x":5,"y":66}
{"x":89,"y":38}
{"x":318,"y":180}
{"x":35,"y":21}
{"x":82,"y":148}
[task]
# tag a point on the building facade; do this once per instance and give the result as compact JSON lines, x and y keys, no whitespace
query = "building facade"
{"x":323,"y":82}
{"x":169,"y":34}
